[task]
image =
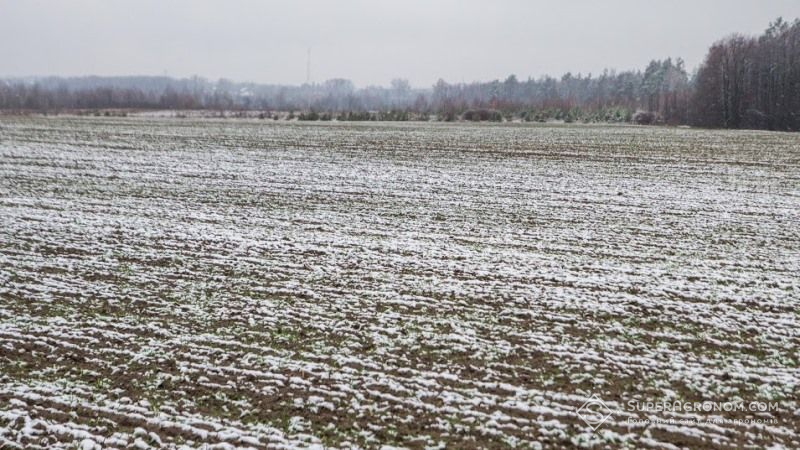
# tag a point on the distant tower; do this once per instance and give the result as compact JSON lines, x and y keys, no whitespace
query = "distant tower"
{"x":308,"y":80}
{"x":308,"y":67}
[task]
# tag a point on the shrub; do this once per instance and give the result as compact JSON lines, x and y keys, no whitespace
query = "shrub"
{"x":644,"y":117}
{"x":312,"y":115}
{"x":482,"y":115}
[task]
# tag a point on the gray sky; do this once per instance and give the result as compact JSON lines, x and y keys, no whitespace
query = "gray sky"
{"x":369,"y":42}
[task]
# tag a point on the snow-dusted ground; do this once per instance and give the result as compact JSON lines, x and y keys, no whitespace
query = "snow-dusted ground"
{"x":255,"y":284}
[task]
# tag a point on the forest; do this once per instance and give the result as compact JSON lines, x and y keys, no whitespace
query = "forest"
{"x":744,"y":82}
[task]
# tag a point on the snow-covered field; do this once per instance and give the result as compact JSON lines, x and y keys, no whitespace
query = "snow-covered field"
{"x":182,"y":283}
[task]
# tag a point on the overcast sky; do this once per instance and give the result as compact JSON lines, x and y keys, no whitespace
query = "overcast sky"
{"x":369,"y":42}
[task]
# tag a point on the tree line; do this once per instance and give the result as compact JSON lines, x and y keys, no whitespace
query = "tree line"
{"x":751,"y":82}
{"x":744,"y":82}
